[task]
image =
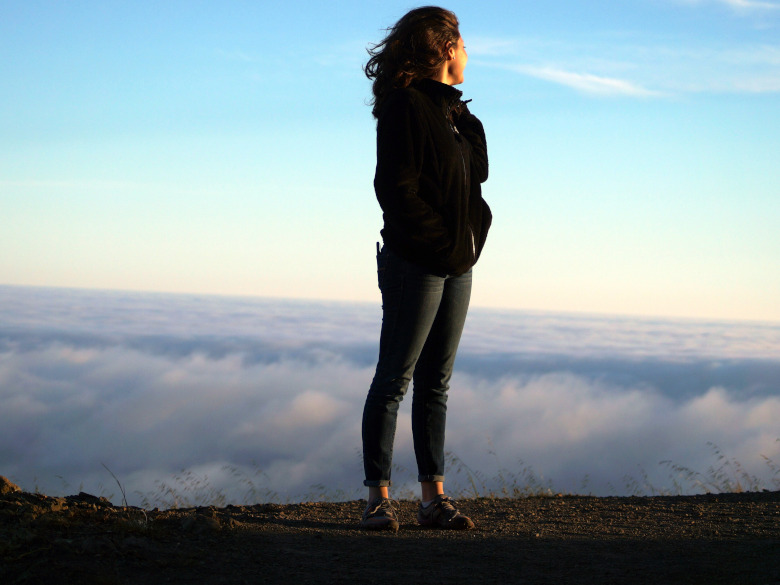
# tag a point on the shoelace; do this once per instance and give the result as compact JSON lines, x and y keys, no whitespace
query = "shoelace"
{"x":385,"y":504}
{"x":447,"y":505}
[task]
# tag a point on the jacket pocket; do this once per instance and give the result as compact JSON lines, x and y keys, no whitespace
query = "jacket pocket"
{"x":472,"y":244}
{"x":381,"y":264}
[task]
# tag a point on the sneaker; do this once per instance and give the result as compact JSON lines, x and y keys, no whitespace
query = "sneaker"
{"x":442,"y":513}
{"x":380,"y":515}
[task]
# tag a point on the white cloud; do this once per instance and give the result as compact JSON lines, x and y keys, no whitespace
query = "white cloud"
{"x":587,"y":82}
{"x":751,"y":4}
{"x":567,"y":427}
{"x":153,"y":384}
{"x":739,"y":5}
{"x":759,"y":85}
{"x":669,"y":71}
{"x":641,"y":64}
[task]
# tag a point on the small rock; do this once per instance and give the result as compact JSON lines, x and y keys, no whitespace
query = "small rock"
{"x":7,"y":487}
{"x":199,"y":524}
{"x":58,"y":505}
{"x":94,"y":502}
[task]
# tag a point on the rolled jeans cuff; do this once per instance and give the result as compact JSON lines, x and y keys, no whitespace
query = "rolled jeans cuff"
{"x":377,"y":483}
{"x":422,"y":478}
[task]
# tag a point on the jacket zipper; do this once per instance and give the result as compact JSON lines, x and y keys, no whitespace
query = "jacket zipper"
{"x":468,"y":223}
{"x":465,"y":180}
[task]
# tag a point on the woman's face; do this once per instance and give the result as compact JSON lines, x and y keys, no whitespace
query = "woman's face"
{"x":456,"y":64}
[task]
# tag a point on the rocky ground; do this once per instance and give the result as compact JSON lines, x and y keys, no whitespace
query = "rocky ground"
{"x":709,"y":539}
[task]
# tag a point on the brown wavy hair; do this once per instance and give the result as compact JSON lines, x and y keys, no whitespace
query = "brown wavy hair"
{"x":415,"y":48}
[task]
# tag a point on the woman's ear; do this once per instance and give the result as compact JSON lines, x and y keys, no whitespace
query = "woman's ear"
{"x":450,"y":51}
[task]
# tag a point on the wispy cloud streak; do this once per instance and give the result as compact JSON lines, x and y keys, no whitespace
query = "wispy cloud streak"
{"x":750,"y":4}
{"x":587,"y":82}
{"x":615,"y":65}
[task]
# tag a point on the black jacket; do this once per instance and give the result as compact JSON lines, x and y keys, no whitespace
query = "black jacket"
{"x":431,"y":161}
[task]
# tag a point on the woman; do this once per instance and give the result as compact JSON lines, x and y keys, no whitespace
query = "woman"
{"x":431,"y":159}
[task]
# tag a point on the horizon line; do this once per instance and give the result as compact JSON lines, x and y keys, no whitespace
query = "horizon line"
{"x":342,"y":301}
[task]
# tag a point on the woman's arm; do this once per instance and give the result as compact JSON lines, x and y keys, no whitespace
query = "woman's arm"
{"x":471,"y":129}
{"x":400,"y":150}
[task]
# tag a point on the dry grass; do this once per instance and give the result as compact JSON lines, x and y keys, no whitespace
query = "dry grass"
{"x":188,"y":489}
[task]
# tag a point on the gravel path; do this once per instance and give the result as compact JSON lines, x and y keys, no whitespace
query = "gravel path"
{"x":711,"y":539}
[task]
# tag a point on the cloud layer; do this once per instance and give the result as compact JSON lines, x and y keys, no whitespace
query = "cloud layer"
{"x":261,"y":399}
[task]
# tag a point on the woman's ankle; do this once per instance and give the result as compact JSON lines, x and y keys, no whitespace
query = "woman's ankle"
{"x":378,"y":492}
{"x":431,"y":489}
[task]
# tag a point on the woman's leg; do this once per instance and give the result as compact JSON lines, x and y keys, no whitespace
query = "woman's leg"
{"x":410,"y":302}
{"x":431,"y":382}
{"x":429,"y":407}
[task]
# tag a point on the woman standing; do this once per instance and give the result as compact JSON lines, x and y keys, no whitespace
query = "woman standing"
{"x":431,"y":160}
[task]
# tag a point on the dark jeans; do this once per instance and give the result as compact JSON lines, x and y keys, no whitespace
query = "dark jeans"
{"x":423,"y":317}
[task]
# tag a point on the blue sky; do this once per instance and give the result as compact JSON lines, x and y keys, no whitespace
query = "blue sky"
{"x":227,"y":148}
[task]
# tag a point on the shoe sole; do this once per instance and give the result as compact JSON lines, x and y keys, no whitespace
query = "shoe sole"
{"x":390,"y":526}
{"x":459,"y":525}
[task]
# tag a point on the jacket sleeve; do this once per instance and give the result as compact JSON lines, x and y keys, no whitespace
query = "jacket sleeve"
{"x":398,"y":184}
{"x":471,"y":128}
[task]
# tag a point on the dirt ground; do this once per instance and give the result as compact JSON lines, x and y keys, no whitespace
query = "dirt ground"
{"x":713,"y":539}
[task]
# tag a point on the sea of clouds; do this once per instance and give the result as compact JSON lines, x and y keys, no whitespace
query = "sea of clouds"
{"x":183,"y":398}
